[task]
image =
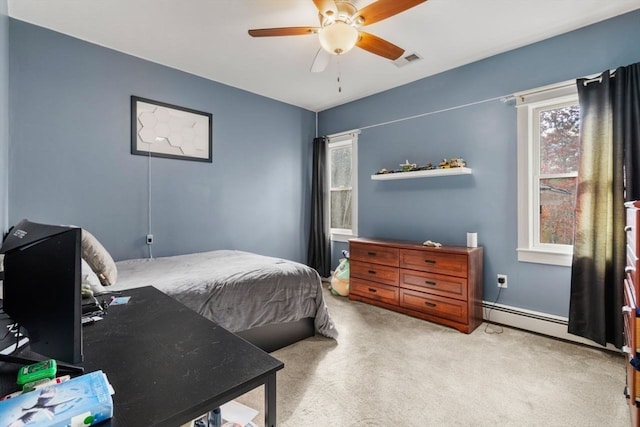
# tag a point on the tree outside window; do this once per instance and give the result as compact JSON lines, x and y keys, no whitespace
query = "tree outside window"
{"x":341,"y":188}
{"x":342,"y":197}
{"x":548,"y":159}
{"x":559,"y":144}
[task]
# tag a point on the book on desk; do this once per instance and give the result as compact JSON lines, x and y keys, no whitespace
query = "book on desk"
{"x":81,"y":401}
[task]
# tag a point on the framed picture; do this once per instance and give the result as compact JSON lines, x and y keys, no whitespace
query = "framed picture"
{"x":159,"y":129}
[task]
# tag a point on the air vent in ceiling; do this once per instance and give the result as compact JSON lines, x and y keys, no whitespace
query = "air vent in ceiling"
{"x":407,"y":59}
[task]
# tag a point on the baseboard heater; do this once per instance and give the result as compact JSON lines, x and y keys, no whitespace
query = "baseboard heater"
{"x":534,"y":321}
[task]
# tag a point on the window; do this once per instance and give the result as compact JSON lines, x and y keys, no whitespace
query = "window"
{"x":548,"y":158}
{"x":342,"y":173}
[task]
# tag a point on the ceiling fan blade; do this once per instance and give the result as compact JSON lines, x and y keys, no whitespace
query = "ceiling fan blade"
{"x":382,"y":9}
{"x":378,"y":46}
{"x":321,"y":61}
{"x":285,"y":31}
{"x":327,"y":8}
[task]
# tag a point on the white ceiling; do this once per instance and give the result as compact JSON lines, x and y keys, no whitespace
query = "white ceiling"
{"x":209,"y":38}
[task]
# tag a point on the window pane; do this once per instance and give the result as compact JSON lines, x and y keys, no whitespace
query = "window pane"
{"x":559,"y":139}
{"x":557,"y":210}
{"x":341,"y":167}
{"x":341,"y":209}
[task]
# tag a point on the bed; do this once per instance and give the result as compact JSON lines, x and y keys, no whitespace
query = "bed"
{"x":269,"y":301}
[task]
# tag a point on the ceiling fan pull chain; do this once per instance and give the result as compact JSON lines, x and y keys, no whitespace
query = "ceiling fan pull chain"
{"x":339,"y":73}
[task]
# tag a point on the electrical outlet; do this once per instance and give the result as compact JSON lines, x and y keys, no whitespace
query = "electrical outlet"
{"x":502,"y":280}
{"x":149,"y":239}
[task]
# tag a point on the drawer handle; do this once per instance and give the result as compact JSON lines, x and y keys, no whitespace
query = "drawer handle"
{"x":628,"y":228}
{"x":429,"y":304}
{"x":429,"y":261}
{"x":372,"y":272}
{"x":427,"y":282}
{"x":373,"y":290}
{"x":372,"y":253}
{"x":629,"y":269}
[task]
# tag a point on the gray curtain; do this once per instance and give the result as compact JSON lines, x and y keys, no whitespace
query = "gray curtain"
{"x":319,"y":253}
{"x":607,"y":152}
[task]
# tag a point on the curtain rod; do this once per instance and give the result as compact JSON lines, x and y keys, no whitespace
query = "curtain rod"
{"x":545,"y":89}
{"x":503,"y":98}
{"x":598,"y":78}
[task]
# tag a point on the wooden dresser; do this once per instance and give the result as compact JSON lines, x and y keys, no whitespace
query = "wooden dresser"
{"x":442,"y":285}
{"x":631,"y":286}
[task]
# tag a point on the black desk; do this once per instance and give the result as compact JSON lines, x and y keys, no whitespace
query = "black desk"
{"x":169,"y":365}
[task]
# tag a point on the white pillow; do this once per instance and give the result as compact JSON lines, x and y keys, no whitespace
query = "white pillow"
{"x":89,"y":278}
{"x":98,"y":259}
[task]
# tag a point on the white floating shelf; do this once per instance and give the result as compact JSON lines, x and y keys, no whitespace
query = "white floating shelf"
{"x":421,"y":174}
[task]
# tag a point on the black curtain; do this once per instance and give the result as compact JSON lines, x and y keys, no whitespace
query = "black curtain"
{"x":319,"y":253}
{"x":609,"y":111}
{"x":627,"y":125}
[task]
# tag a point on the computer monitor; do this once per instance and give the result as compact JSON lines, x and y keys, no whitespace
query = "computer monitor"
{"x":42,"y":287}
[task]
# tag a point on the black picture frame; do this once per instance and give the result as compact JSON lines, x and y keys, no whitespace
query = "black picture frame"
{"x":159,"y":129}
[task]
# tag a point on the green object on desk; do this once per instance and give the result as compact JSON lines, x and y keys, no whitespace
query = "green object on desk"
{"x":37,"y":371}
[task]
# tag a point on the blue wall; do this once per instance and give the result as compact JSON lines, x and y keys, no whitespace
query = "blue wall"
{"x":445,"y":208}
{"x":70,"y":158}
{"x":4,"y":115}
{"x":71,"y":162}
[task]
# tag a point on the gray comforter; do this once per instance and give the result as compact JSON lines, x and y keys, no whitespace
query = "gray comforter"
{"x":238,"y":290}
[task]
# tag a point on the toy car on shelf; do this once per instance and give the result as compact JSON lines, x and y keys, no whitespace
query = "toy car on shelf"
{"x":457,"y":162}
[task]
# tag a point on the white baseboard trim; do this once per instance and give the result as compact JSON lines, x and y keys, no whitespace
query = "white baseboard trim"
{"x":534,"y":321}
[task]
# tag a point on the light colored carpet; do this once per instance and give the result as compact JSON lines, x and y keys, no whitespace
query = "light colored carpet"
{"x":388,"y":369}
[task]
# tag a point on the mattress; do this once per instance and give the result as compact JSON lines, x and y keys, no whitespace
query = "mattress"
{"x":238,"y":290}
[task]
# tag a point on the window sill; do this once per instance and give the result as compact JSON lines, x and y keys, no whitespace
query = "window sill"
{"x":545,"y":257}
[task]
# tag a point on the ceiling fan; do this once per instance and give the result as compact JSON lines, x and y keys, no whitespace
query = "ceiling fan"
{"x":339,"y":30}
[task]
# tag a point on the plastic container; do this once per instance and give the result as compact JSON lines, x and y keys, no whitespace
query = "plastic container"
{"x":340,"y":279}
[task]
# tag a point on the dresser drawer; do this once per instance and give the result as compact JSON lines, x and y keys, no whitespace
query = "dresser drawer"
{"x":632,"y":382}
{"x":434,"y":262}
{"x":629,"y":317}
{"x":631,"y":252}
{"x":631,"y":270}
{"x":447,"y":308}
{"x":374,"y":272}
{"x":631,"y":227}
{"x":373,"y":253}
{"x":437,"y":284}
{"x":374,"y":291}
{"x":635,"y":380}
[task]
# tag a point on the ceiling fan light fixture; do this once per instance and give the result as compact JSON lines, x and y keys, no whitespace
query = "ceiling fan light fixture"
{"x":338,"y":38}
